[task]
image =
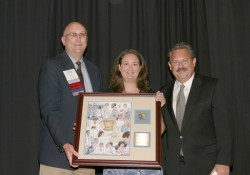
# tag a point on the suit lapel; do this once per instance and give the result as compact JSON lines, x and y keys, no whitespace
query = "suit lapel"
{"x":169,"y":97}
{"x":67,"y":63}
{"x":192,"y":100}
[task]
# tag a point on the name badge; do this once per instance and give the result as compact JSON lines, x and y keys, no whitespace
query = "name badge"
{"x":74,"y":81}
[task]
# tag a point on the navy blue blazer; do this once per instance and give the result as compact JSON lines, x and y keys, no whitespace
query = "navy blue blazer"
{"x":206,"y":136}
{"x":59,"y":107}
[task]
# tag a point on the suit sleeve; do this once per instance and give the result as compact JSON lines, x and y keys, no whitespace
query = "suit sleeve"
{"x":223,"y":125}
{"x":49,"y":98}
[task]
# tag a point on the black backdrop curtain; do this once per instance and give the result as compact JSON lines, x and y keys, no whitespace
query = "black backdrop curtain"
{"x":30,"y":32}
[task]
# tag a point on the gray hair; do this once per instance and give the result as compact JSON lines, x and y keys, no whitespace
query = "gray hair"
{"x":182,"y":45}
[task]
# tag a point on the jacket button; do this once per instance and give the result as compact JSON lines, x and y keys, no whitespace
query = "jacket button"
{"x":181,"y":137}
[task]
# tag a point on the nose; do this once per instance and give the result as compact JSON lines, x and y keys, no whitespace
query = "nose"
{"x":78,"y":37}
{"x":180,"y":64}
{"x":130,"y":66}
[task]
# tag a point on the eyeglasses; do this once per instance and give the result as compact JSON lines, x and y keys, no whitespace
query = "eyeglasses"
{"x":76,"y":35}
{"x":176,"y":62}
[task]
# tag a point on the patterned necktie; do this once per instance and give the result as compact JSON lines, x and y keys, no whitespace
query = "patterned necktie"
{"x":79,"y":73}
{"x":180,"y":106}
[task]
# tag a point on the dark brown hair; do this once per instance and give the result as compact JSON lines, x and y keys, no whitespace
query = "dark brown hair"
{"x":116,"y":82}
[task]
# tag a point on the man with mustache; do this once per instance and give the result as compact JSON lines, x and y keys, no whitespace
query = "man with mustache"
{"x":199,"y":136}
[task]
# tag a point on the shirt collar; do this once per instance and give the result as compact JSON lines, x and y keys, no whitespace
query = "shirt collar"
{"x":74,"y":61}
{"x":188,"y":83}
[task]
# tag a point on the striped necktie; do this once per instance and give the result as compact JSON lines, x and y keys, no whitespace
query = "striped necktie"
{"x":79,"y":73}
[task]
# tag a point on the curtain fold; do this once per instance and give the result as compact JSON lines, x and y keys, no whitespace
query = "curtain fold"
{"x":30,"y":32}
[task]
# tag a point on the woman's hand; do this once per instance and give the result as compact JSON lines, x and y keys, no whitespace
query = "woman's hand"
{"x":160,"y":97}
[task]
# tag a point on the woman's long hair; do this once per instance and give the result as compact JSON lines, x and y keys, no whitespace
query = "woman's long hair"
{"x":116,"y":81}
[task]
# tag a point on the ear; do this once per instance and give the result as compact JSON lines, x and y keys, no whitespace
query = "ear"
{"x":194,"y":61}
{"x":169,"y":65}
{"x":63,"y":40}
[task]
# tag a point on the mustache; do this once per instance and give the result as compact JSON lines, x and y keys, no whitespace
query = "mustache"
{"x":181,"y":69}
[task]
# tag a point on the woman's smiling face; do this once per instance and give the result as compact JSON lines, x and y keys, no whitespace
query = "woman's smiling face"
{"x":130,"y":67}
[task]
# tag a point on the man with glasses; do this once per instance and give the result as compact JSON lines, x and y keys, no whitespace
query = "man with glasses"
{"x":60,"y":81}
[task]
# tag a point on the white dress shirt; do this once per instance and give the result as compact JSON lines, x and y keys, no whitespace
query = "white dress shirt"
{"x":186,"y":91}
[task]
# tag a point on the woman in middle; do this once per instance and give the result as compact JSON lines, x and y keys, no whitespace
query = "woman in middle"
{"x":130,"y":75}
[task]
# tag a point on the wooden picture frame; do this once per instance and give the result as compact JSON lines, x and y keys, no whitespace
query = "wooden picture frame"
{"x":118,"y":130}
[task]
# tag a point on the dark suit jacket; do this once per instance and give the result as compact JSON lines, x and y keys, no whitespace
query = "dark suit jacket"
{"x":206,"y":134}
{"x":58,"y":108}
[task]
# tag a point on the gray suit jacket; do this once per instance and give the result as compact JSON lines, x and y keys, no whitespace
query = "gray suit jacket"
{"x":58,"y":108}
{"x":206,"y":134}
